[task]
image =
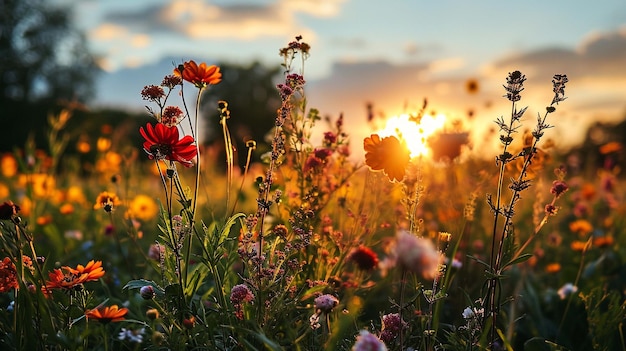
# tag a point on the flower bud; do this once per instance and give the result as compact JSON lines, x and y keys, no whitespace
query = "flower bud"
{"x":147,"y":292}
{"x":152,"y":313}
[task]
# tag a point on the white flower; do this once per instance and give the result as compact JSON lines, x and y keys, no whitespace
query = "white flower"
{"x":131,"y":335}
{"x":367,"y":341}
{"x":567,"y":290}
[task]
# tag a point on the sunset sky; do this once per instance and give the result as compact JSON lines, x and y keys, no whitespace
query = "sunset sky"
{"x":393,"y":53}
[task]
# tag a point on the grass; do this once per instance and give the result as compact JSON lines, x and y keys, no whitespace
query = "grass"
{"x":309,"y":249}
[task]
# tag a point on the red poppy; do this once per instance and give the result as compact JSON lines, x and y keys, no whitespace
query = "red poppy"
{"x":107,"y":314}
{"x":201,"y":75}
{"x":387,"y":154}
{"x":162,"y":143}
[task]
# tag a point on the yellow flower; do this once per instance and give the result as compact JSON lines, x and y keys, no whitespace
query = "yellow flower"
{"x":75,"y":194}
{"x":143,"y":207}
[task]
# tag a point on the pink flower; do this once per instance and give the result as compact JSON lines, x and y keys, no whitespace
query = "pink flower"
{"x":367,"y":341}
{"x":417,"y":255}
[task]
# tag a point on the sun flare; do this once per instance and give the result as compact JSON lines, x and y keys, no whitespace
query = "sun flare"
{"x":414,"y":133}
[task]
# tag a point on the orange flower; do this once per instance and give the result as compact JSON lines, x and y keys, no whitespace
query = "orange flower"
{"x":107,"y":314}
{"x":62,"y":278}
{"x":66,"y":209}
{"x":578,"y":245}
{"x":93,"y":270}
{"x":603,"y":241}
{"x":386,"y":154}
{"x":106,"y":201}
{"x":553,"y":268}
{"x":610,"y":147}
{"x":581,"y":226}
{"x":68,"y":277}
{"x":201,"y":75}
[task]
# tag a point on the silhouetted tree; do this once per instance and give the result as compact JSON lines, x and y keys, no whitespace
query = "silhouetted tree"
{"x":252,"y":100}
{"x":43,"y":61}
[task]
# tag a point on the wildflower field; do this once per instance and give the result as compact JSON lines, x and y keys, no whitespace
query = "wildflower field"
{"x":172,"y":245}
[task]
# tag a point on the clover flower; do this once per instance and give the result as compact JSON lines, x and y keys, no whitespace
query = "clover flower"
{"x":239,"y":295}
{"x":325,"y":303}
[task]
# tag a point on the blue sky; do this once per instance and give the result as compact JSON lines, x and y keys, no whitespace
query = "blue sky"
{"x":393,"y":53}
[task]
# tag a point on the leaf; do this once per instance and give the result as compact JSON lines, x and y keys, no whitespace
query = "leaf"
{"x":519,"y":259}
{"x":140,"y":283}
{"x":479,"y":261}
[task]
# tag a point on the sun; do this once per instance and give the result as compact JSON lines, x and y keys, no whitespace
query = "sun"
{"x":414,"y":133}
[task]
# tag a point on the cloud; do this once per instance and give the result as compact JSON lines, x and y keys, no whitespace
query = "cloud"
{"x":108,"y":32}
{"x":595,"y":92}
{"x":201,"y":20}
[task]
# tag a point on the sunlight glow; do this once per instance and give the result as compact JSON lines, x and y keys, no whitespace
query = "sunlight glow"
{"x":414,"y":133}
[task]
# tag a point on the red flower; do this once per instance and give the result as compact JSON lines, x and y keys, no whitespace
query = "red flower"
{"x":387,"y":154}
{"x":364,"y":257}
{"x":162,"y":143}
{"x":200,"y":76}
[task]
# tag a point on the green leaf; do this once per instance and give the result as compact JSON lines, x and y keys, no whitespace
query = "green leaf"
{"x":140,"y":283}
{"x":519,"y":259}
{"x":479,"y":261}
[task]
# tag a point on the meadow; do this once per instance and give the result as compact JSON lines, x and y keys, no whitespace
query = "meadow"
{"x":171,"y":245}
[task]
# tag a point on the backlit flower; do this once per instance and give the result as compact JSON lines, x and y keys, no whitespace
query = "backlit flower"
{"x":172,"y":115}
{"x":106,"y":201}
{"x":107,"y":314}
{"x":553,"y":268}
{"x":200,"y":75}
{"x":162,"y":143}
{"x":386,"y":154}
{"x":417,"y":255}
{"x":566,"y":290}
